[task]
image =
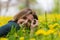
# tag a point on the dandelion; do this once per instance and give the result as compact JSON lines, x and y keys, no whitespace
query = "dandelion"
{"x":3,"y":39}
{"x":4,"y":20}
{"x":56,"y":24}
{"x":32,"y":39}
{"x":50,"y":32}
{"x":1,"y":23}
{"x":40,"y":32}
{"x":41,"y":19}
{"x":51,"y":26}
{"x":58,"y":33}
{"x":21,"y":38}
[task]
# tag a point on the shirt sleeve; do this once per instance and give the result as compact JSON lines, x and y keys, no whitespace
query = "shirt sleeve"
{"x":4,"y":30}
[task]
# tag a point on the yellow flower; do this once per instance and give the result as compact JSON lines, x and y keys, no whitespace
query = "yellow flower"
{"x":32,"y":39}
{"x":4,"y":20}
{"x":59,"y":34}
{"x":56,"y":24}
{"x":51,"y":26}
{"x":40,"y":32}
{"x":3,"y":39}
{"x":21,"y":38}
{"x":40,"y":18}
{"x":50,"y":32}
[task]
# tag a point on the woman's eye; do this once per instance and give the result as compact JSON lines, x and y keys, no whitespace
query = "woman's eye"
{"x":21,"y":22}
{"x":24,"y":17}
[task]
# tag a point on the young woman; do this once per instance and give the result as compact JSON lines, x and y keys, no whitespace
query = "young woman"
{"x":25,"y":17}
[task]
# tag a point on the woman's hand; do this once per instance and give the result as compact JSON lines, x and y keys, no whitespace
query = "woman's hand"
{"x":34,"y":24}
{"x":22,"y":21}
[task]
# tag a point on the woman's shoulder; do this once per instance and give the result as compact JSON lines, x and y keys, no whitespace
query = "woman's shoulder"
{"x":12,"y":22}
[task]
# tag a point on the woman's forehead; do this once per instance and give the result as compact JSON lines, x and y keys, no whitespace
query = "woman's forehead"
{"x":29,"y":15}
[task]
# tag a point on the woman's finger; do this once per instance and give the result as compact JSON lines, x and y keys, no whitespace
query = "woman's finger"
{"x":20,"y":21}
{"x":34,"y":25}
{"x":25,"y":21}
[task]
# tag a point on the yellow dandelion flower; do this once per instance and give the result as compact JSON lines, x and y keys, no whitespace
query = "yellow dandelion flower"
{"x":1,"y":23}
{"x":3,"y":39}
{"x":32,"y":39}
{"x":51,"y":26}
{"x":40,"y":32}
{"x":4,"y":20}
{"x":59,"y":34}
{"x":50,"y":32}
{"x":56,"y":24}
{"x":21,"y":38}
{"x":40,"y":18}
{"x":59,"y":26}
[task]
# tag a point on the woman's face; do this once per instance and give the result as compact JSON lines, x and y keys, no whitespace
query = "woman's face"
{"x":26,"y":18}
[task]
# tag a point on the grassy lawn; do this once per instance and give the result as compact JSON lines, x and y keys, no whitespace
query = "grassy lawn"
{"x":48,"y":29}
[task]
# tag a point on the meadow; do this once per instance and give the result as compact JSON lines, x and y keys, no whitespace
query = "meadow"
{"x":48,"y":29}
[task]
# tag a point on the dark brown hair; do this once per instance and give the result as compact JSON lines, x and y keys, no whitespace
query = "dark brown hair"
{"x":23,"y":13}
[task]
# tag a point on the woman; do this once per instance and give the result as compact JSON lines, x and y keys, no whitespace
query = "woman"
{"x":25,"y":17}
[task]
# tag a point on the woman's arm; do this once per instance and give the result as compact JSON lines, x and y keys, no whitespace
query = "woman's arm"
{"x":4,"y":30}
